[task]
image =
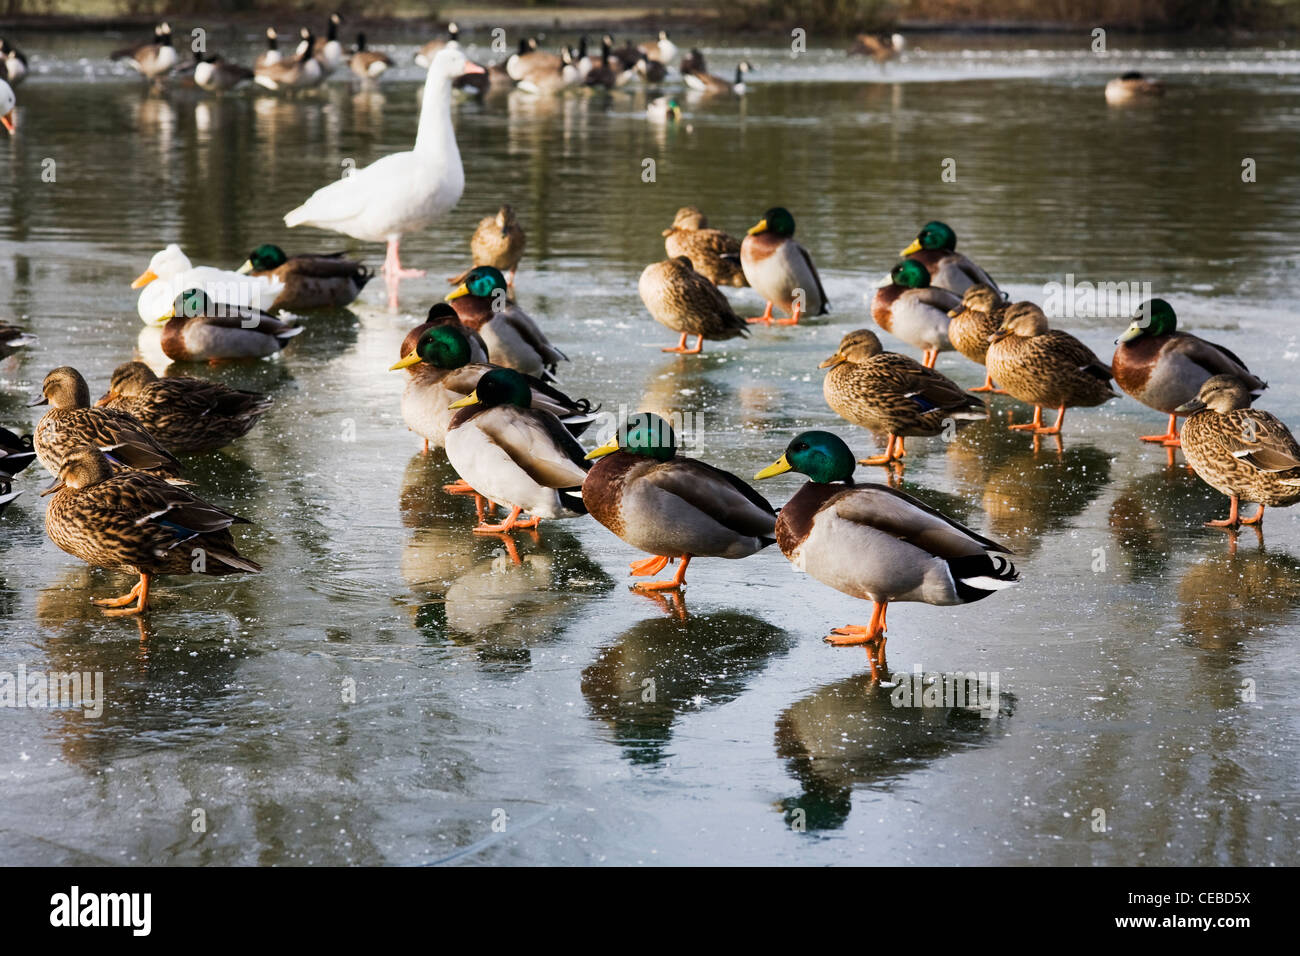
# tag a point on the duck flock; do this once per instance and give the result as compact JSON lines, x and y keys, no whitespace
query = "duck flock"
{"x":482,"y":377}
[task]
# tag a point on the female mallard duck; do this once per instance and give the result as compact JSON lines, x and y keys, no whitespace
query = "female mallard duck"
{"x":1164,"y":368}
{"x":368,"y":65}
{"x":136,"y":522}
{"x":170,"y":273}
{"x":1045,"y":367}
{"x":781,"y":270}
{"x":12,"y":339}
{"x":908,"y":306}
{"x":685,"y":301}
{"x":669,"y":506}
{"x":184,"y":414}
{"x":875,"y":543}
{"x":321,"y":281}
{"x":1239,"y":451}
{"x":498,"y":242}
{"x":1132,"y":87}
{"x":72,"y":421}
{"x":200,"y":330}
{"x":970,"y":324}
{"x":151,"y":60}
{"x":935,"y":247}
{"x":889,"y":393}
{"x":514,"y":454}
{"x":713,"y":254}
{"x":444,"y":365}
{"x":513,"y":338}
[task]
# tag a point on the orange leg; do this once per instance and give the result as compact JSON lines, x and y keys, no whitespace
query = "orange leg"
{"x":652,"y":565}
{"x":892,"y":453}
{"x":512,"y":521}
{"x":677,"y":580}
{"x":988,"y":386}
{"x":794,"y":317}
{"x":528,"y":525}
{"x":458,"y":487}
{"x":1034,"y":425}
{"x":426,"y":447}
{"x":140,"y":593}
{"x":765,"y":318}
{"x":681,"y":346}
{"x":1056,"y":427}
{"x":930,"y":357}
{"x":872,"y":637}
{"x":1233,"y":519}
{"x":1257,"y":520}
{"x":1170,"y":437}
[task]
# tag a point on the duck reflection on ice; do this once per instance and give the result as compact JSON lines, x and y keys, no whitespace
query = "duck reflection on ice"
{"x":849,"y":735}
{"x":1233,"y":595}
{"x":1155,"y":513}
{"x":662,"y":667}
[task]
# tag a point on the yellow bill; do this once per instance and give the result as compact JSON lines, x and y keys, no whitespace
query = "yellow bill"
{"x":144,"y":278}
{"x":406,"y":362}
{"x":608,"y":448}
{"x":457,"y":292}
{"x":914,"y":247}
{"x":761,"y":227}
{"x":778,"y":467}
{"x":246,"y":268}
{"x":470,"y":399}
{"x":1132,"y":332}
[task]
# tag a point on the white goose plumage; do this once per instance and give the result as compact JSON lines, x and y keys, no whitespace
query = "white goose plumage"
{"x":170,"y":273}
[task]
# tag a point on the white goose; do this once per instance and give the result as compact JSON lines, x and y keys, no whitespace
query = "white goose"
{"x":403,"y":192}
{"x":7,"y":104}
{"x":170,"y":273}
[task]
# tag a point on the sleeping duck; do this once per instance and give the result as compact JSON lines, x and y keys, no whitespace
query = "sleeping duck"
{"x":320,"y":281}
{"x":200,"y":330}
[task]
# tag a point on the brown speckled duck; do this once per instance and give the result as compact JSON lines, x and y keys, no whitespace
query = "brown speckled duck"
{"x":971,"y":324}
{"x":1240,"y":451}
{"x":71,"y":422}
{"x":498,"y":242}
{"x":1164,"y":368}
{"x":892,"y":394}
{"x":136,"y":522}
{"x":184,"y":414}
{"x":1045,"y":367}
{"x":713,"y":254}
{"x":687,"y":302}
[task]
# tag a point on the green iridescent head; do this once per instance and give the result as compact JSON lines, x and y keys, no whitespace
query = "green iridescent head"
{"x":933,"y":235}
{"x":822,"y":456}
{"x":1153,"y":317}
{"x":501,"y":386}
{"x":482,"y":281}
{"x":266,"y":257}
{"x":644,"y":433}
{"x":910,"y":274}
{"x":777,"y":220}
{"x":190,"y":304}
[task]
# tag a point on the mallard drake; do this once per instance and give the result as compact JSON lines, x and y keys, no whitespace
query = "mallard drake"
{"x":424,"y":56}
{"x":12,"y":339}
{"x":713,"y":254}
{"x":8,"y":102}
{"x":683,"y":300}
{"x":368,"y":65}
{"x":908,"y":306}
{"x":1164,"y":368}
{"x":327,"y":50}
{"x":151,"y":60}
{"x":876,"y":543}
{"x":300,"y":72}
{"x":935,"y":247}
{"x":72,"y":421}
{"x":513,"y":339}
{"x":1132,"y":86}
{"x":664,"y":109}
{"x":184,"y":414}
{"x":213,"y":73}
{"x":514,"y":454}
{"x":319,"y":281}
{"x":707,"y":83}
{"x":13,"y":63}
{"x":200,"y":330}
{"x":1239,"y":451}
{"x":781,"y":270}
{"x":1045,"y":367}
{"x":670,"y":506}
{"x":498,"y":242}
{"x":170,"y":273}
{"x":970,"y":324}
{"x":889,"y":393}
{"x":272,"y":52}
{"x":879,"y":46}
{"x":136,"y":522}
{"x":444,"y":365}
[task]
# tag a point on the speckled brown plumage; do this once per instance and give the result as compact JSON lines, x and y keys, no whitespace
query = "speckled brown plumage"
{"x":498,"y":241}
{"x":1044,"y":367}
{"x":685,"y":301}
{"x":978,"y":317}
{"x":713,"y":253}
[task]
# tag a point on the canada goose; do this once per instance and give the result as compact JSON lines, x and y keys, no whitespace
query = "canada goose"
{"x":151,"y":60}
{"x":212,"y":72}
{"x":368,"y":64}
{"x":303,"y":71}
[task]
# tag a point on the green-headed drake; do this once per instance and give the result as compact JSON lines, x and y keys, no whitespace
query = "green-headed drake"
{"x":972,"y":323}
{"x":1239,"y":451}
{"x":200,"y":330}
{"x":72,"y":421}
{"x":935,"y":247}
{"x":780,"y":270}
{"x":1045,"y":367}
{"x":184,"y":414}
{"x":875,"y":543}
{"x":136,"y":522}
{"x":444,"y":364}
{"x":513,"y":339}
{"x":514,"y":454}
{"x":892,"y":394}
{"x":685,"y":301}
{"x":907,"y":306}
{"x":669,"y":506}
{"x":1164,"y":368}
{"x":321,"y":281}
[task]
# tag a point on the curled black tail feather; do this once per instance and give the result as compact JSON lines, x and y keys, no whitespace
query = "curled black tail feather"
{"x":976,"y":576}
